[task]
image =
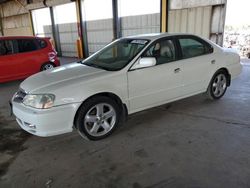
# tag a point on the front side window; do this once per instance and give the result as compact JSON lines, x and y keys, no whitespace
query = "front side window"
{"x":26,"y":45}
{"x":163,"y":51}
{"x":6,"y":47}
{"x":191,"y":47}
{"x":116,"y":55}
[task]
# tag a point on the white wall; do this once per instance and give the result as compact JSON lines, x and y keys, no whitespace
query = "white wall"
{"x":99,"y":34}
{"x":141,"y":24}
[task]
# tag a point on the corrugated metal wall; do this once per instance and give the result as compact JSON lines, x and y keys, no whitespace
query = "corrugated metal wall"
{"x":217,"y":23}
{"x":141,"y":24}
{"x":191,"y":20}
{"x":48,"y":31}
{"x":68,"y":35}
{"x":99,"y":33}
{"x":203,"y":18}
{"x":15,"y":19}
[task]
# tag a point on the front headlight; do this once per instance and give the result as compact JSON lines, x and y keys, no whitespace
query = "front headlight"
{"x":40,"y":101}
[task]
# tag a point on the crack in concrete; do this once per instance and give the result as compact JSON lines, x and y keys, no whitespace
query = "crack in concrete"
{"x":231,"y":122}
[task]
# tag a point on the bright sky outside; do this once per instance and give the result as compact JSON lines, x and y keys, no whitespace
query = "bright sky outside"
{"x":238,"y":12}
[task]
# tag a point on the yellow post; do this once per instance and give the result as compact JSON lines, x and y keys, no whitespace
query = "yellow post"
{"x":79,"y":40}
{"x":79,"y":48}
{"x":164,"y":15}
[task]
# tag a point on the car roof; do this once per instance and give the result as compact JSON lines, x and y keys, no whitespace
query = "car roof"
{"x":22,"y":37}
{"x":154,"y":36}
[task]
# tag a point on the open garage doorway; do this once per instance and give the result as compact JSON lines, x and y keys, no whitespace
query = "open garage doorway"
{"x":42,"y":22}
{"x":99,"y":23}
{"x":139,"y":17}
{"x":66,"y":28}
{"x":60,"y":24}
{"x":237,"y":27}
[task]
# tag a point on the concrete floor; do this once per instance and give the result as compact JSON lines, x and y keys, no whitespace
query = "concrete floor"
{"x":190,"y":143}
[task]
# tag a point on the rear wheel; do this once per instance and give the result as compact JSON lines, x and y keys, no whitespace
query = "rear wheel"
{"x":97,"y":118}
{"x":47,"y":66}
{"x":218,"y":85}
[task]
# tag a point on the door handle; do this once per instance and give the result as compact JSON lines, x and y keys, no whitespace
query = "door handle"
{"x":213,"y":61}
{"x":177,"y":70}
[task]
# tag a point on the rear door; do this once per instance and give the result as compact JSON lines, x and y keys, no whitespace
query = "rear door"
{"x":197,"y":61}
{"x":28,"y":56}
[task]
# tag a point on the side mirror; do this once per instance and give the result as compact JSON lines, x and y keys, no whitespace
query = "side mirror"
{"x":210,"y":49}
{"x":144,"y":62}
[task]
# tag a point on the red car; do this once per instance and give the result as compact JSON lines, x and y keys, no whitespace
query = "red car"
{"x":21,"y":57}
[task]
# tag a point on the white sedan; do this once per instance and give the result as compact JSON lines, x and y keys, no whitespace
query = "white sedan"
{"x":129,"y":75}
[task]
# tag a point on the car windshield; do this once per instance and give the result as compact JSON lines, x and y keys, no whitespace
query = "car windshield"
{"x":116,"y":55}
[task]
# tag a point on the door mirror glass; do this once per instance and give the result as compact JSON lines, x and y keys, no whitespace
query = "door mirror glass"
{"x":144,"y":62}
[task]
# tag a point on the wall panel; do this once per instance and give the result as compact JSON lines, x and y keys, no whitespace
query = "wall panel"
{"x":140,"y":24}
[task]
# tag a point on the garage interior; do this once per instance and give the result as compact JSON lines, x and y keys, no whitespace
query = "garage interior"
{"x":193,"y":142}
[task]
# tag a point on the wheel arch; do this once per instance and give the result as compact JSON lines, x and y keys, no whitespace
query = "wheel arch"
{"x":224,"y":69}
{"x":116,"y":98}
{"x":47,"y":62}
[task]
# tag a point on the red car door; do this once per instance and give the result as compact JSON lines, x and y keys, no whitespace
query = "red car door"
{"x":29,"y":56}
{"x":9,"y":64}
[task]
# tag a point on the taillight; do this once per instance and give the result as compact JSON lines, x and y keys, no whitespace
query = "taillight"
{"x":52,"y":56}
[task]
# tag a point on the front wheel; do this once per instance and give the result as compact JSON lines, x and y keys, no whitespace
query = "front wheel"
{"x":97,"y":118}
{"x":218,"y":85}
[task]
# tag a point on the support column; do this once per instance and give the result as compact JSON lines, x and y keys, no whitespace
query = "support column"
{"x":79,"y":42}
{"x":31,"y":23}
{"x":164,"y":16}
{"x":116,"y":20}
{"x":55,"y":32}
{"x":82,"y":29}
{"x":1,"y":21}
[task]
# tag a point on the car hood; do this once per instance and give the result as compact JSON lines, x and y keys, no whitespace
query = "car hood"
{"x":59,"y":75}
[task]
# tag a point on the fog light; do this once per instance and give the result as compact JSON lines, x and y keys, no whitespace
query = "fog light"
{"x":30,"y":125}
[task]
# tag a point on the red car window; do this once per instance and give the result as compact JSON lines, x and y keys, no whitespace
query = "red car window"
{"x":26,"y":45}
{"x":6,"y":47}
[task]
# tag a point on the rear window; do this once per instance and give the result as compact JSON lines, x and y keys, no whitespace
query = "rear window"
{"x":41,"y":43}
{"x":26,"y":45}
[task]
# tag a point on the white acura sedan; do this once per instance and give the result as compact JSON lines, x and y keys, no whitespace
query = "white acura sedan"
{"x":129,"y":75}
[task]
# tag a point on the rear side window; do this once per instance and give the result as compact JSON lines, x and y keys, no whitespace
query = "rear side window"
{"x":41,"y":43}
{"x":6,"y":47}
{"x":191,"y":47}
{"x":27,"y":45}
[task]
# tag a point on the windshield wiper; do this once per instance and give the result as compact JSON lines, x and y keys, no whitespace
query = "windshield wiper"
{"x":80,"y":61}
{"x":96,"y":66}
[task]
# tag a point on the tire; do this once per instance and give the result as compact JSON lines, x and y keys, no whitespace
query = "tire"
{"x":47,"y":66}
{"x":98,"y":125}
{"x":218,"y":85}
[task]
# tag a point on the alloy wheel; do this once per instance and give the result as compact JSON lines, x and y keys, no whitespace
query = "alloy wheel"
{"x":219,"y":85}
{"x":100,"y":119}
{"x":48,"y":66}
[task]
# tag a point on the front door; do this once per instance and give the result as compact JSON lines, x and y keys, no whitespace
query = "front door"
{"x":158,"y":84}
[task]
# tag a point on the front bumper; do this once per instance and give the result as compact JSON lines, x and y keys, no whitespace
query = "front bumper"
{"x":45,"y":122}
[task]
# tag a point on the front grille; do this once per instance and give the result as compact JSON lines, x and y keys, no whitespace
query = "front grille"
{"x":19,"y":96}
